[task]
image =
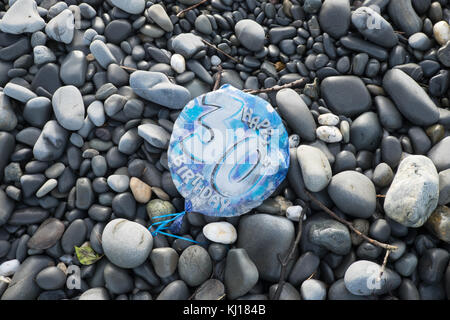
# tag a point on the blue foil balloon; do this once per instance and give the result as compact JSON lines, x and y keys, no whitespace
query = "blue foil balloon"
{"x":228,"y":152}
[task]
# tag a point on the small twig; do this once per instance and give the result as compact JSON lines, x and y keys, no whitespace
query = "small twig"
{"x":287,"y":259}
{"x":219,"y":76}
{"x":221,"y":297}
{"x":190,"y":8}
{"x":349,"y":224}
{"x":220,"y":50}
{"x":312,"y":275}
{"x":128,"y":68}
{"x":292,"y":84}
{"x":383,"y":266}
{"x":381,"y":196}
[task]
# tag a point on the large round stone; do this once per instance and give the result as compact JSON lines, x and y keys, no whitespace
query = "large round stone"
{"x":127,"y":244}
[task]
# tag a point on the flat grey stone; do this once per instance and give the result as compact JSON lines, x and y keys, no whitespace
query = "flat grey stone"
{"x":51,"y":278}
{"x":346,"y":95}
{"x":43,"y":54}
{"x":96,"y":113}
{"x":61,"y":28}
{"x":241,"y":274}
{"x":73,"y":69}
{"x":8,"y":118}
{"x":74,"y":235}
{"x":51,"y":143}
{"x":157,"y":13}
{"x":265,"y":236}
{"x":18,"y":92}
{"x":414,"y":193}
{"x":366,"y":131}
{"x":409,"y":97}
{"x":47,"y":235}
{"x":22,"y":17}
{"x":117,"y":280}
{"x":444,"y":187}
{"x":6,"y":207}
{"x":187,"y":44}
{"x":194,"y":265}
{"x":118,"y":182}
{"x":353,"y":193}
{"x":165,"y":261}
{"x":316,"y":169}
{"x":155,"y":135}
{"x":130,"y":6}
{"x":440,"y":154}
{"x":296,"y":113}
{"x":176,"y":290}
{"x":102,"y":53}
{"x":211,"y":289}
{"x":374,"y":27}
{"x":330,"y":234}
{"x":68,"y":107}
{"x":95,"y":294}
{"x":250,"y":33}
{"x":156,"y":87}
{"x":404,"y":16}
{"x":334,"y":17}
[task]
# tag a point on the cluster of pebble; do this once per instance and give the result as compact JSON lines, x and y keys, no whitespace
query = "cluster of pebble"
{"x":91,"y":90}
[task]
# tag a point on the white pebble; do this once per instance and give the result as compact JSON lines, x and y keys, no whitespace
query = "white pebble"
{"x":220,"y":232}
{"x":329,"y":134}
{"x":328,"y":119}
{"x":215,"y":60}
{"x":8,"y":268}
{"x":441,"y":32}
{"x":178,"y":63}
{"x":293,"y":213}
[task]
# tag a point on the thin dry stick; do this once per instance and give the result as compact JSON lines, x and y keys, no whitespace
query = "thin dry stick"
{"x":219,"y":76}
{"x":190,"y":8}
{"x":349,"y":224}
{"x":381,"y":196}
{"x":312,"y":275}
{"x":383,"y":266}
{"x":128,"y":68}
{"x":292,"y":84}
{"x":284,"y":262}
{"x":220,"y":50}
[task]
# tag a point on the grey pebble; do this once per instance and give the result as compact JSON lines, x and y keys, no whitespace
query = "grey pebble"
{"x":51,"y":278}
{"x":264,"y":236}
{"x":194,"y":265}
{"x":353,"y":193}
{"x":241,"y":274}
{"x":164,"y":260}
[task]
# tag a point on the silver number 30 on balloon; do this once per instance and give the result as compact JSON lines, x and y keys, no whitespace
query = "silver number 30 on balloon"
{"x":238,"y":158}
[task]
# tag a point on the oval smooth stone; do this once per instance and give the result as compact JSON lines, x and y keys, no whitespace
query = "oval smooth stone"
{"x":403,"y":15}
{"x":346,"y":95}
{"x":409,"y":97}
{"x":296,"y":113}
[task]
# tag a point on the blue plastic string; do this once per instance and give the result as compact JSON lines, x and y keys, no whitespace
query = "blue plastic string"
{"x":162,"y":225}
